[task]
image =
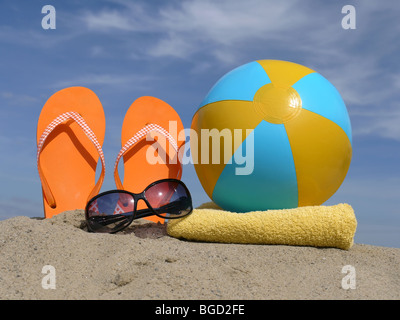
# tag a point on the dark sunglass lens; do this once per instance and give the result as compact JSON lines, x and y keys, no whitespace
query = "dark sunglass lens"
{"x":110,"y":212}
{"x":170,"y":199}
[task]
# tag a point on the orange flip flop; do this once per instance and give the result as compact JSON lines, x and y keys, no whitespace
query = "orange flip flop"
{"x":150,"y":146}
{"x":70,"y":133}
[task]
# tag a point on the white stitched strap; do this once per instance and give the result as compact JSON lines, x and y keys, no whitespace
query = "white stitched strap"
{"x":84,"y":126}
{"x":81,"y":122}
{"x":142,"y":133}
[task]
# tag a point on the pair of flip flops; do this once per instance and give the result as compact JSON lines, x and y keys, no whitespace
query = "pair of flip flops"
{"x":70,"y":134}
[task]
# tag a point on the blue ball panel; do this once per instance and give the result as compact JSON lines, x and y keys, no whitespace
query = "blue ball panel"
{"x":271,"y":185}
{"x":320,"y":96}
{"x":239,"y":84}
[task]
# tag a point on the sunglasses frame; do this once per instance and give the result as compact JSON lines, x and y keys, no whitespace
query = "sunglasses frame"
{"x":142,"y":213}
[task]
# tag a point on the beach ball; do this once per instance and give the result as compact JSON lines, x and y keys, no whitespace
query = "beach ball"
{"x":271,"y":134}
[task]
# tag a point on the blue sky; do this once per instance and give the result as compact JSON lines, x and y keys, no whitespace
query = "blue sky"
{"x":176,"y":51}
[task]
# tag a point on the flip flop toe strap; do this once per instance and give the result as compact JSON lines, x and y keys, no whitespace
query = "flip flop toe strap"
{"x":136,"y":138}
{"x":89,"y":133}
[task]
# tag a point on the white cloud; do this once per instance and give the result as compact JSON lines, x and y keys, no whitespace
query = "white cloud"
{"x":191,"y":27}
{"x":172,"y":45}
{"x":385,"y":125}
{"x":19,"y":99}
{"x":106,"y":20}
{"x":227,"y":22}
{"x":136,"y":80}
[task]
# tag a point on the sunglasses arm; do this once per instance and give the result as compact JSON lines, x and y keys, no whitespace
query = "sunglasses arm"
{"x":106,"y":220}
{"x":148,"y":212}
{"x":142,"y":213}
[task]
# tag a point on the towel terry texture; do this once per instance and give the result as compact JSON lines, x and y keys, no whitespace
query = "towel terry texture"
{"x":319,"y":226}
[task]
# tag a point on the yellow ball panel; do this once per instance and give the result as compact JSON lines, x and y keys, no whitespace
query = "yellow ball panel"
{"x":283,"y":73}
{"x":322,"y":155}
{"x":219,"y":120}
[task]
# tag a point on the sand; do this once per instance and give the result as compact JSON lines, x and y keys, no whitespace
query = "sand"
{"x":145,"y":263}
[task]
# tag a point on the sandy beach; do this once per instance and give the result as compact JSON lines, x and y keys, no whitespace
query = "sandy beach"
{"x":143,"y":262}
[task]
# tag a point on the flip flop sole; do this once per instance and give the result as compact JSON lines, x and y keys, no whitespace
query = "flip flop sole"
{"x":68,"y":158}
{"x":139,"y":167}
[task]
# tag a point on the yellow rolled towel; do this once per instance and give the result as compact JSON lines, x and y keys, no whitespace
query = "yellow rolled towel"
{"x":319,"y":226}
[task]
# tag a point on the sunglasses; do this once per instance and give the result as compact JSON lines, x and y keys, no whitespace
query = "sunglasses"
{"x":114,"y":210}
